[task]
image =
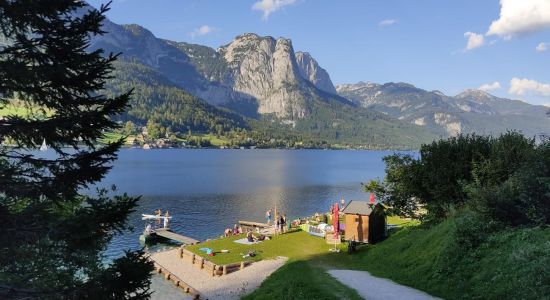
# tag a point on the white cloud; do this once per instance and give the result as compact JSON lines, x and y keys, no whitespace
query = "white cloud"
{"x":270,"y":6}
{"x":388,"y":22}
{"x":490,"y":86}
{"x":203,"y":30}
{"x":541,"y":47}
{"x":475,"y":40}
{"x":523,"y":86}
{"x":521,"y":17}
{"x":546,"y":104}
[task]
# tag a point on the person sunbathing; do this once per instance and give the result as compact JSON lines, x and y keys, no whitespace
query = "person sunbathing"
{"x":227,"y":232}
{"x":250,"y":237}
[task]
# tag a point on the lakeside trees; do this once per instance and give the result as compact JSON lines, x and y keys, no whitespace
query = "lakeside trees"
{"x":485,"y":203}
{"x":53,"y":236}
{"x":506,"y":179}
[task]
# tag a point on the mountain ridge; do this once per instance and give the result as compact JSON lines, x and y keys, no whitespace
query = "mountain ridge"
{"x":469,"y":111}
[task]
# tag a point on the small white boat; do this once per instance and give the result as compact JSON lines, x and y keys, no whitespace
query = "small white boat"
{"x":44,"y":147}
{"x":154,"y":217}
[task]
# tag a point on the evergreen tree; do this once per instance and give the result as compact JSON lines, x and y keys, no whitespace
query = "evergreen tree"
{"x":53,"y":237}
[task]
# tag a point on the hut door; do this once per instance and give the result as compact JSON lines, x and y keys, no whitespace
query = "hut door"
{"x":359,"y":229}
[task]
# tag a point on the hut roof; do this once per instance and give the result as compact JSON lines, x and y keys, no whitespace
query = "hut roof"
{"x":358,"y":208}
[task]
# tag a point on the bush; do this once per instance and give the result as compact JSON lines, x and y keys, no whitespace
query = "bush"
{"x":513,"y":185}
{"x":506,"y":179}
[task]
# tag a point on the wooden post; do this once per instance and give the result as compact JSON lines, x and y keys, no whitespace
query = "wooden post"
{"x":224,"y":270}
{"x":242,"y":265}
{"x":167,"y":276}
{"x":192,"y":258}
{"x":181,"y":252}
{"x":201,"y":263}
{"x":213,"y":270}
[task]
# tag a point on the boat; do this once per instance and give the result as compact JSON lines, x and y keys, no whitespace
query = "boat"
{"x":44,"y":147}
{"x":150,"y":232}
{"x":154,"y":232}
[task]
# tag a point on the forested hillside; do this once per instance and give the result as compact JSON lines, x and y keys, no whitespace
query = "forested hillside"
{"x":157,"y":100}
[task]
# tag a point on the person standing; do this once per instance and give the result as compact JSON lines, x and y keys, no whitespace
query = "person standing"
{"x":268,"y":216}
{"x":283,"y":223}
{"x":277,"y":224}
{"x":342,"y":202}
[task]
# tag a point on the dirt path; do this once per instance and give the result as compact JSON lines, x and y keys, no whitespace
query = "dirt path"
{"x":374,"y":288}
{"x":230,"y":286}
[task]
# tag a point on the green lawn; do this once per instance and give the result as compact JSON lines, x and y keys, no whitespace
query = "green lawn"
{"x":302,"y":280}
{"x":296,"y":245}
{"x":215,"y":141}
{"x":510,"y":264}
{"x":402,"y":222}
{"x":110,"y":137}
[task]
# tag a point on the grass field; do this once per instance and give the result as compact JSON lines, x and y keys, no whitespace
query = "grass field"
{"x":110,"y":137}
{"x":509,"y":264}
{"x":304,"y":275}
{"x":302,"y":280}
{"x":296,"y":245}
{"x":215,"y":141}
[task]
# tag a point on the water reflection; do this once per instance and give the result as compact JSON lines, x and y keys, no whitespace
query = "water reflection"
{"x":209,"y":190}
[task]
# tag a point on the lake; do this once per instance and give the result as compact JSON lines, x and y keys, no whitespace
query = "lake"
{"x":207,"y":191}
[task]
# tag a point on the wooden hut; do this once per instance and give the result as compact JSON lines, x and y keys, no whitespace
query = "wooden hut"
{"x":365,"y":222}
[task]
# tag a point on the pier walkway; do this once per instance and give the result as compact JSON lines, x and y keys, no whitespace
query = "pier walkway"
{"x":176,"y":237}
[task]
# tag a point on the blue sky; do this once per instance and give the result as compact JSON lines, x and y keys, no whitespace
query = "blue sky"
{"x":433,"y":44}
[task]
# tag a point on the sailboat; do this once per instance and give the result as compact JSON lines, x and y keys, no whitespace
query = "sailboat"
{"x":44,"y":147}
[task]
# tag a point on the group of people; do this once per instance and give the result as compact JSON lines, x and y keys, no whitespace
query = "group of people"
{"x":236,"y":230}
{"x":280,"y":221}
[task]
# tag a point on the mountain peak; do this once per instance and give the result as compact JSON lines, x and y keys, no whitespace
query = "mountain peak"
{"x":476,"y":95}
{"x":311,"y":71}
{"x":137,"y":30}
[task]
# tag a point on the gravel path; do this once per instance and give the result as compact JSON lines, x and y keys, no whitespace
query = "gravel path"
{"x":374,"y":288}
{"x":230,"y":286}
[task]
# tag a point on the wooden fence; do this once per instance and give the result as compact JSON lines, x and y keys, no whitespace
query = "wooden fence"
{"x":208,"y":266}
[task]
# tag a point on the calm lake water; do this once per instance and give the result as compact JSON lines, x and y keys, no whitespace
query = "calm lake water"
{"x":207,"y":191}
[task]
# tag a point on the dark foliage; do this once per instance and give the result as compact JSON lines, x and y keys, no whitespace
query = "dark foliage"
{"x":53,"y":237}
{"x":505,"y":179}
{"x":513,"y":184}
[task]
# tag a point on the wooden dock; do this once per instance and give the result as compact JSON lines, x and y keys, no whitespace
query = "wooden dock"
{"x":165,"y":233}
{"x":253,"y":224}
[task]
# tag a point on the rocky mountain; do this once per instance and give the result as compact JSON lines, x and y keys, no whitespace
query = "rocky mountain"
{"x":471,"y":111}
{"x":253,"y":75}
{"x":285,"y":94}
{"x":310,"y":69}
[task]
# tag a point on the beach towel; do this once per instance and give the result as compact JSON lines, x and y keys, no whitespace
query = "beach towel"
{"x":245,"y":241}
{"x":207,"y":250}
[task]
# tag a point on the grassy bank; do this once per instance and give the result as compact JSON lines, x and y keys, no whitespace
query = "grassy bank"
{"x":508,"y":264}
{"x":302,"y":280}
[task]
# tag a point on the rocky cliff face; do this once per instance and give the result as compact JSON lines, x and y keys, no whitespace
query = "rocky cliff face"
{"x":266,"y":69}
{"x":252,"y":74}
{"x":310,"y":70}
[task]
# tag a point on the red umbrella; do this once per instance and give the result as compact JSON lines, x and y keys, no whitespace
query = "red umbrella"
{"x":371,"y":198}
{"x":335,"y":220}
